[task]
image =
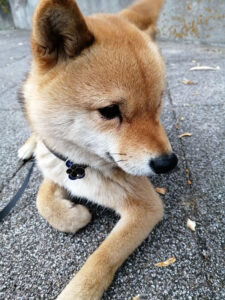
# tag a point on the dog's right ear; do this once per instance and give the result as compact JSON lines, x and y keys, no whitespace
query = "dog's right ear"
{"x":59,"y":32}
{"x":144,"y":14}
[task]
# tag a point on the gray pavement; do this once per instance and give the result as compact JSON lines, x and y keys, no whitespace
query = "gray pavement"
{"x":196,"y":20}
{"x":37,"y":261}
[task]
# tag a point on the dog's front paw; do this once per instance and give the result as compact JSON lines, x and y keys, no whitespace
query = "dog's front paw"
{"x":73,"y":217}
{"x":27,"y":150}
{"x":64,"y":215}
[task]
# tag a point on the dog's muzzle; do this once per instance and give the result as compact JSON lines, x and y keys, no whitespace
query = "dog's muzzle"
{"x":164,"y":163}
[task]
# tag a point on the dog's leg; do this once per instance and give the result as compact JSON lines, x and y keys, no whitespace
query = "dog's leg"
{"x":61,"y":213}
{"x":27,"y":150}
{"x":138,"y":218}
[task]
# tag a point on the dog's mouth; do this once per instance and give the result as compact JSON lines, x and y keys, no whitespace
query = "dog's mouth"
{"x":111,"y":158}
{"x":115,"y":162}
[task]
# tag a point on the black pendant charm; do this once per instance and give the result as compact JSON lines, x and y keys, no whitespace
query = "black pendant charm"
{"x":75,"y":171}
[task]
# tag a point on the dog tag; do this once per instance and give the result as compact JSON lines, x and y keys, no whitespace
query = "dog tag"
{"x":75,"y":171}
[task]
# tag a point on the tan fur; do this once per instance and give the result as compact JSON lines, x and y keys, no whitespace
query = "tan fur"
{"x":80,"y":65}
{"x":144,"y":15}
{"x":60,"y":212}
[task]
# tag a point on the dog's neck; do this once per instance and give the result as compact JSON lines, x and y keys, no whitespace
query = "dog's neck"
{"x":74,"y":171}
{"x":73,"y":154}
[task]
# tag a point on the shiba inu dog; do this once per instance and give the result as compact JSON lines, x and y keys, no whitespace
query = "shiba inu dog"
{"x":93,"y":99}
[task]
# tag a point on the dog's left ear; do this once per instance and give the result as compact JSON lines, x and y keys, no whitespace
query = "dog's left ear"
{"x":144,"y":14}
{"x":59,"y":31}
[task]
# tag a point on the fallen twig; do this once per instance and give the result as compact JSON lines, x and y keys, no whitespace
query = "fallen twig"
{"x":188,"y":82}
{"x":166,"y":262}
{"x":204,"y":68}
{"x":184,"y":134}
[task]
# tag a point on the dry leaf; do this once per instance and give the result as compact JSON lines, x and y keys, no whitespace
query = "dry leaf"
{"x":161,"y":191}
{"x":136,"y":297}
{"x":195,"y":62}
{"x":196,"y":93}
{"x":139,"y":297}
{"x":191,"y":224}
{"x":189,"y":181}
{"x":204,"y":68}
{"x":166,"y":262}
{"x":184,"y":134}
{"x":188,"y":82}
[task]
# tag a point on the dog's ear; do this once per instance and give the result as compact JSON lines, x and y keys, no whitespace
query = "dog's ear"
{"x":144,"y":14}
{"x":59,"y":32}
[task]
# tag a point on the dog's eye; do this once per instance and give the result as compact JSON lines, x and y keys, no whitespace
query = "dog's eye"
{"x":110,"y":112}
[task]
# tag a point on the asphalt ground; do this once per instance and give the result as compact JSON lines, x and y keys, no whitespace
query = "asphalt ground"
{"x":36,"y":261}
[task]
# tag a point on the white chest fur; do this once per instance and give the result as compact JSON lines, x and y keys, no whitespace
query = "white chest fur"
{"x":94,"y":186}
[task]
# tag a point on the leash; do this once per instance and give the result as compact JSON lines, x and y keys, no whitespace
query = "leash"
{"x":74,"y":171}
{"x":7,"y":209}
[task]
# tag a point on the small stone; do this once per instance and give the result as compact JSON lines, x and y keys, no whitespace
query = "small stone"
{"x":204,"y":254}
{"x":191,"y":224}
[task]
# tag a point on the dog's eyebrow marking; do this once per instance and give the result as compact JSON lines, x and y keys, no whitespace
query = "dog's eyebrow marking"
{"x":104,"y":102}
{"x":120,"y":101}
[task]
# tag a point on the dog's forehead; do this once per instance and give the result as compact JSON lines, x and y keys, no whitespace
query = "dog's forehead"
{"x":126,"y":56}
{"x":123,"y":65}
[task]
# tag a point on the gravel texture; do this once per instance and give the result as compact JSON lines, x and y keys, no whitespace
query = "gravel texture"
{"x":37,"y":261}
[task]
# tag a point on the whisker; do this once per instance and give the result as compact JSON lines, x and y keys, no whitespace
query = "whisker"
{"x":118,"y":153}
{"x":107,"y":163}
{"x":112,"y":163}
{"x":120,"y":160}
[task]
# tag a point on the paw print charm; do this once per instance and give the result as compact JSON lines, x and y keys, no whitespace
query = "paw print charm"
{"x":75,"y":171}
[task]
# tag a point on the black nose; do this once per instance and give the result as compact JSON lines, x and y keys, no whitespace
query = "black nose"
{"x":164,"y":163}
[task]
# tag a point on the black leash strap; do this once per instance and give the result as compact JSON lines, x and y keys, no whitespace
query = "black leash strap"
{"x":7,"y":209}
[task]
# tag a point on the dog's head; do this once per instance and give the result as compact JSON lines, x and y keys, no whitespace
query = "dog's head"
{"x":97,"y":83}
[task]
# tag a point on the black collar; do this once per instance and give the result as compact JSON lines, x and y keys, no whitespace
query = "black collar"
{"x":74,"y":171}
